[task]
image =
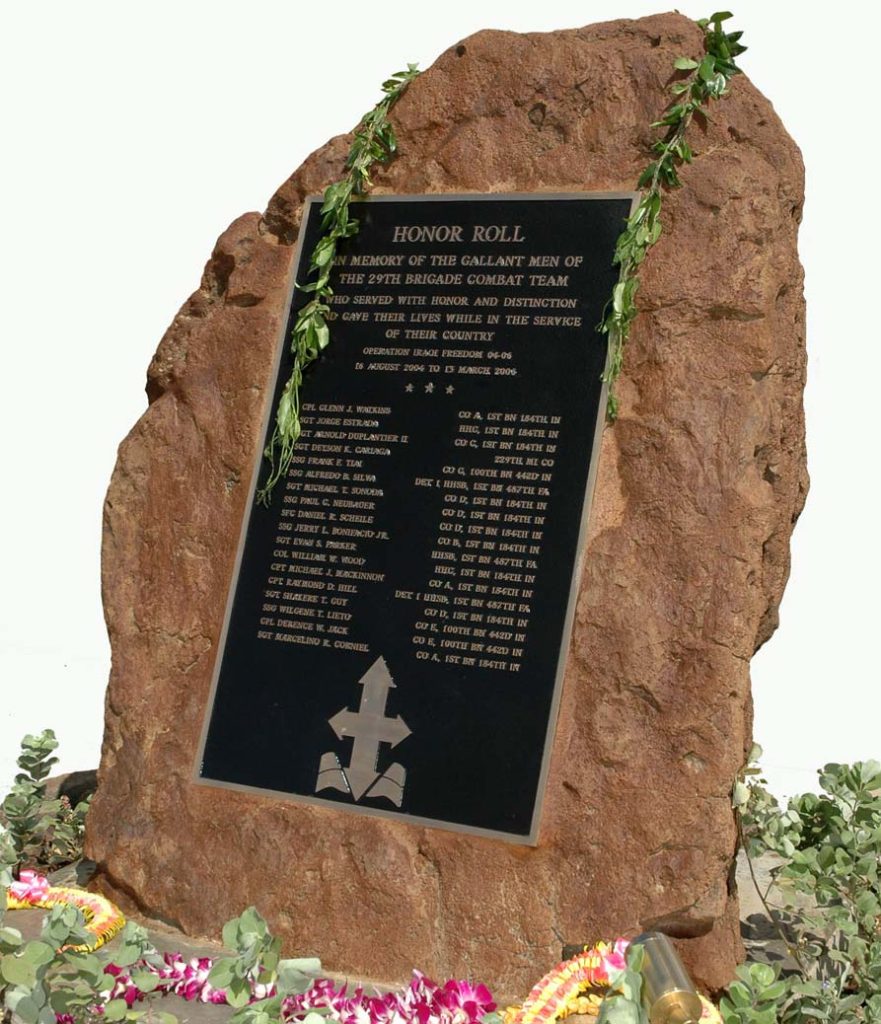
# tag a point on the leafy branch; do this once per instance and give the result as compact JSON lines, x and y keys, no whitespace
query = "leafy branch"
{"x":374,"y":143}
{"x":707,"y":80}
{"x":623,"y":1000}
{"x":34,"y":829}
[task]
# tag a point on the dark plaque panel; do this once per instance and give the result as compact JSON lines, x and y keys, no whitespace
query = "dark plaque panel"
{"x":398,"y":622}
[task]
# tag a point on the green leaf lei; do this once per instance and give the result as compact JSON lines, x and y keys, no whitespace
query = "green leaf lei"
{"x":708,"y":80}
{"x":374,"y":143}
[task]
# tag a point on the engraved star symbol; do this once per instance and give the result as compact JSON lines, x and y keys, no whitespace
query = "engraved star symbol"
{"x":429,"y":388}
{"x":409,"y":387}
{"x":450,"y":389}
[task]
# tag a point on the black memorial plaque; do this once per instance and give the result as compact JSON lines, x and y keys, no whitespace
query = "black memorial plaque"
{"x":399,"y":616}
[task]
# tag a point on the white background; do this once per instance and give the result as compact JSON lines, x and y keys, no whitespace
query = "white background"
{"x":133,"y":134}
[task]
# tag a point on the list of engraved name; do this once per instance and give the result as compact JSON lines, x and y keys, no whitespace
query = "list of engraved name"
{"x":436,"y":322}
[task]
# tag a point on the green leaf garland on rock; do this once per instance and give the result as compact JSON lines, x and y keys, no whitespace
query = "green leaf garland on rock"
{"x":374,"y":143}
{"x":707,"y":80}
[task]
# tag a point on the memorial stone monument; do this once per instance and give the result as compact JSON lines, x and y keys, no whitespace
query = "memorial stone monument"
{"x":432,"y":707}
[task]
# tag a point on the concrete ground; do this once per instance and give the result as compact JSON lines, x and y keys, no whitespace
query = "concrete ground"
{"x":759,"y":935}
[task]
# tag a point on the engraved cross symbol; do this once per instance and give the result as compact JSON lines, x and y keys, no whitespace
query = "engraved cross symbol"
{"x":368,"y":727}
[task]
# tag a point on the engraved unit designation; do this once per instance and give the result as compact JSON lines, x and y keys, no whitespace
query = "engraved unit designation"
{"x":399,"y":617}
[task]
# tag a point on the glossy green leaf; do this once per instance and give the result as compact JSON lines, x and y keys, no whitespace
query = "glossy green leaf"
{"x":739,"y":994}
{"x":761,"y":975}
{"x":707,"y":69}
{"x":765,"y":1016}
{"x":221,"y":974}
{"x":740,"y":794}
{"x":238,"y":993}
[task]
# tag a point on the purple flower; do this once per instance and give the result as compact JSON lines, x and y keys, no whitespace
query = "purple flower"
{"x":421,"y":1002}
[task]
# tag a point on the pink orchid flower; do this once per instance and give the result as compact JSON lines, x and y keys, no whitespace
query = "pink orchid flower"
{"x":30,"y":887}
{"x":615,"y":960}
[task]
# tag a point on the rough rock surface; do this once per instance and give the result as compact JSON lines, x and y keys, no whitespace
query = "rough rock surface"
{"x":700,"y":482}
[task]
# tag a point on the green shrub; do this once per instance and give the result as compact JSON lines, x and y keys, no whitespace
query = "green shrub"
{"x":829,"y":911}
{"x":39,"y":832}
{"x":40,"y":978}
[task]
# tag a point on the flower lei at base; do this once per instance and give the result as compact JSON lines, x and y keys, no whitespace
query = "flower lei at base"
{"x":578,"y":986}
{"x":33,"y":892}
{"x":421,"y":1002}
{"x":573,"y":986}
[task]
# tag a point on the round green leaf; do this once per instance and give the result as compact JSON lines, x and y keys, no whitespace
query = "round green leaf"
{"x":145,"y":981}
{"x":26,"y":1010}
{"x":762,"y":975}
{"x":39,"y":953}
{"x":10,"y":937}
{"x":116,"y":1009}
{"x":18,"y":971}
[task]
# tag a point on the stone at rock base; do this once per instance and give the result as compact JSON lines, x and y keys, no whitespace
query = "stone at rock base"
{"x":76,"y":786}
{"x":700,"y":482}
